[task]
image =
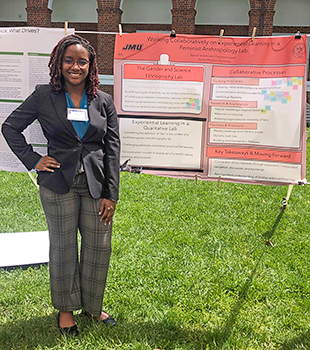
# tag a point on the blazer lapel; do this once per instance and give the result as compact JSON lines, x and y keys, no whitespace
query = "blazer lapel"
{"x":60,"y":105}
{"x":93,"y":115}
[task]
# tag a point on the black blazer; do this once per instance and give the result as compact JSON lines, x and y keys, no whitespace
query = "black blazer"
{"x":99,"y":148}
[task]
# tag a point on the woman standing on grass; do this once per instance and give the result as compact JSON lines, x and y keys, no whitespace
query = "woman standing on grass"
{"x":79,"y":178}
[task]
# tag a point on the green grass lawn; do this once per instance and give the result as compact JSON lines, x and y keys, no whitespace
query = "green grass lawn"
{"x":190,"y":269}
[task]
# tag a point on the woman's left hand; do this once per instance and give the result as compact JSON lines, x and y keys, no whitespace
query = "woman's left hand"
{"x":107,"y":210}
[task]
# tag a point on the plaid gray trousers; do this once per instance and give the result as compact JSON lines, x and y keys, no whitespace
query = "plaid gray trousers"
{"x":77,"y":281}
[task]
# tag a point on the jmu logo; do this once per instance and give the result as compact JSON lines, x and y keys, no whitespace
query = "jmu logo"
{"x":133,"y":47}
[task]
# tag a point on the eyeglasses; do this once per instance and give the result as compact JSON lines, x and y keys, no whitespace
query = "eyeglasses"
{"x":81,"y":63}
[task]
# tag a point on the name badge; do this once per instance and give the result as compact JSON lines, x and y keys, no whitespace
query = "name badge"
{"x":76,"y":114}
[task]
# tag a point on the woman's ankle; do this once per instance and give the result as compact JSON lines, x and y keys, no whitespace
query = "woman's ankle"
{"x":66,"y":319}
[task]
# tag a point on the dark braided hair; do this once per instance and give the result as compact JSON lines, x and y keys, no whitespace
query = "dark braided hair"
{"x":55,"y":64}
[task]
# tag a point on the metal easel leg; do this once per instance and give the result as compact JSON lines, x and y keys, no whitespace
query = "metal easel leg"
{"x":285,"y":199}
{"x":33,"y":179}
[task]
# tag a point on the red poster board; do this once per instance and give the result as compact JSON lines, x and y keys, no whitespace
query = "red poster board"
{"x":191,"y":106}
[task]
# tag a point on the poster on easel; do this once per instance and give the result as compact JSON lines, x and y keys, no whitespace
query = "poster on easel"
{"x":198,"y":107}
{"x":24,"y":57}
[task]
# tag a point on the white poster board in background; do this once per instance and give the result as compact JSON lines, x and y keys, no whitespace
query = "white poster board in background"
{"x":24,"y":248}
{"x":24,"y":58}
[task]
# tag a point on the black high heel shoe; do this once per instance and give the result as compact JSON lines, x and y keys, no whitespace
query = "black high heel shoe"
{"x":68,"y":331}
{"x":109,"y":321}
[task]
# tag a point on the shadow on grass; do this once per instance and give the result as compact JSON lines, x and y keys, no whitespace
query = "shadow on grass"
{"x":42,"y":333}
{"x":268,"y":235}
{"x":300,"y":342}
{"x":23,"y":267}
{"x":221,"y":335}
{"x":168,"y":334}
{"x":29,"y":334}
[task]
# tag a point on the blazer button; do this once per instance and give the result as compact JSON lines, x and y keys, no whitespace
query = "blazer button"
{"x":80,"y":144}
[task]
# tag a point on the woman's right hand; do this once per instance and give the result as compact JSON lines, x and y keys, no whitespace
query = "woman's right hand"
{"x":47,"y":163}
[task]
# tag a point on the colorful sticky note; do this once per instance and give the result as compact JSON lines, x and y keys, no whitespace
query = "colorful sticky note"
{"x":289,"y":98}
{"x":299,"y":82}
{"x":272,"y":93}
{"x":279,"y":82}
{"x":191,"y":100}
{"x":294,"y":79}
{"x":295,"y":87}
{"x":266,"y":97}
{"x":263,"y":111}
{"x":264,"y":91}
{"x":193,"y":105}
{"x":188,"y":105}
{"x":286,"y":93}
{"x":289,"y":83}
{"x":268,"y":108}
{"x":284,"y":100}
{"x":273,"y":99}
{"x":274,"y":83}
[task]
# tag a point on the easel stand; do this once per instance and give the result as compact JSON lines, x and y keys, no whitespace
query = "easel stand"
{"x":289,"y":191}
{"x":33,"y":180}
